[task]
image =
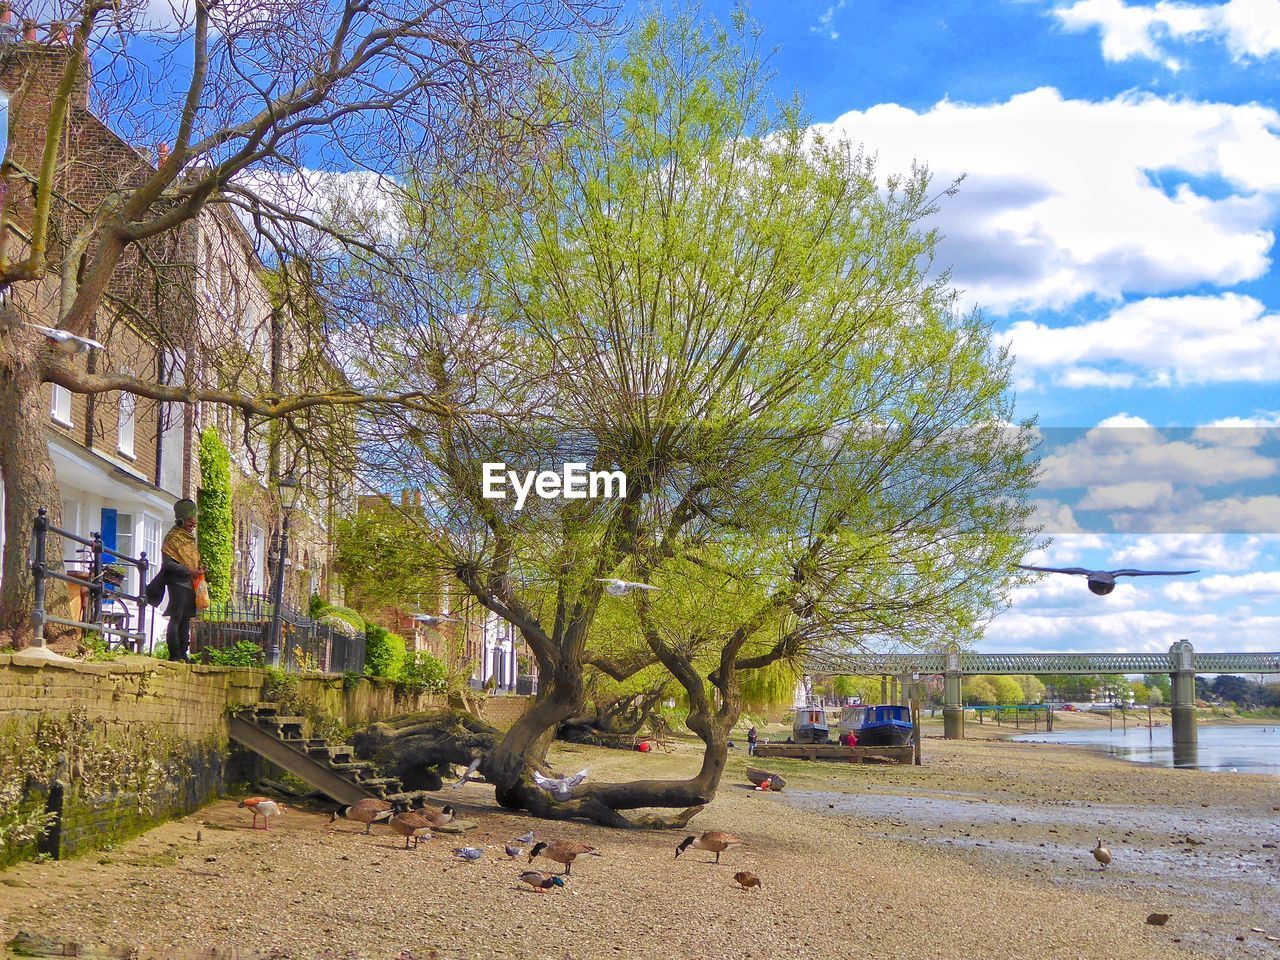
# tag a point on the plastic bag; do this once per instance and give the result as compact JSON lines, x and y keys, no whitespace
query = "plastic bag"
{"x":202,"y":591}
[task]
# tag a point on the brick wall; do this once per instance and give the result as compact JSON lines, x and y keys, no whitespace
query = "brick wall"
{"x":503,"y":712}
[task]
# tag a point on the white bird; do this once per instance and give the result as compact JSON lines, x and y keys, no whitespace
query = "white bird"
{"x":435,"y":619}
{"x":66,"y":341}
{"x":617,"y":588}
{"x":475,"y":765}
{"x":559,"y":787}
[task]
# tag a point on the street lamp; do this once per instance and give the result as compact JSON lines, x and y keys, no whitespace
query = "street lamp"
{"x":287,"y":490}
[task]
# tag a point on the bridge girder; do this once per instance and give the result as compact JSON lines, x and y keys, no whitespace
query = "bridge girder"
{"x":970,"y":664}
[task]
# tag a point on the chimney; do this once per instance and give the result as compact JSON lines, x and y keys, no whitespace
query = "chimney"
{"x":58,"y":32}
{"x":162,"y":153}
{"x":6,"y":13}
{"x":29,"y":31}
{"x":404,"y":499}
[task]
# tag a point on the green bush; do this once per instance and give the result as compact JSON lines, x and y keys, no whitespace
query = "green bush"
{"x":243,"y":653}
{"x":343,"y":617}
{"x":384,"y":653}
{"x":317,"y":606}
{"x":422,"y":673}
{"x":160,"y":651}
{"x":215,"y":527}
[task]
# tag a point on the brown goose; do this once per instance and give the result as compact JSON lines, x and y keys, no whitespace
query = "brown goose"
{"x":1102,"y":854}
{"x":368,"y":811}
{"x":715,"y":841}
{"x":411,"y":825}
{"x":563,"y":851}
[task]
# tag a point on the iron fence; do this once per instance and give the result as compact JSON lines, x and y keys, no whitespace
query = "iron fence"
{"x":305,"y":645}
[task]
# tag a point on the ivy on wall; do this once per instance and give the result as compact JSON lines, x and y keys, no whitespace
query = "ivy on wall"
{"x":215,"y":524}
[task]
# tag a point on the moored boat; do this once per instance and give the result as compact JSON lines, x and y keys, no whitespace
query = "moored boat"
{"x":883,"y":725}
{"x":758,"y":776}
{"x":810,"y":725}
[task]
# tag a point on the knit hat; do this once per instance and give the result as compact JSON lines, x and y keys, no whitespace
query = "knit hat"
{"x":184,"y":509}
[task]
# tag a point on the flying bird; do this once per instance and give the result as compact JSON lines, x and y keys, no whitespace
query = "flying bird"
{"x":435,"y":619}
{"x":475,"y":765}
{"x":541,"y":882}
{"x":262,"y":807}
{"x":470,"y":854}
{"x":66,"y":341}
{"x":1103,"y":582}
{"x":617,"y":588}
{"x":559,"y":787}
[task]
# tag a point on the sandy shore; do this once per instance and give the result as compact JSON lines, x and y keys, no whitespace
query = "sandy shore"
{"x":850,"y":869}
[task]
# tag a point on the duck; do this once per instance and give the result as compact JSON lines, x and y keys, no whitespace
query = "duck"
{"x":1102,"y":854}
{"x":746,"y":879}
{"x":368,"y":811}
{"x":715,"y":841}
{"x":563,"y":851}
{"x":262,"y":807}
{"x":541,"y":882}
{"x":411,"y":824}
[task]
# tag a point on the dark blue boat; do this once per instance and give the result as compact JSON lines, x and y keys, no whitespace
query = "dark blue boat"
{"x":884,"y":725}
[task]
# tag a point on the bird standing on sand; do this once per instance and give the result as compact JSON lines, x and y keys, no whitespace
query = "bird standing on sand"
{"x":1102,"y":582}
{"x":715,"y":841}
{"x":746,"y":879}
{"x":513,"y":852}
{"x":368,"y":811}
{"x":541,"y":882}
{"x":524,"y":838}
{"x":1102,"y":854}
{"x":564,"y":851}
{"x":437,"y":818}
{"x":262,"y":807}
{"x":411,"y":824}
{"x":470,"y":854}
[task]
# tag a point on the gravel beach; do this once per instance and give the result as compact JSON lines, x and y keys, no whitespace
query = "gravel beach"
{"x":984,"y":849}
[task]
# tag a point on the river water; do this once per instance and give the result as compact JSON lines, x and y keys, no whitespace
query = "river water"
{"x":1240,"y":749}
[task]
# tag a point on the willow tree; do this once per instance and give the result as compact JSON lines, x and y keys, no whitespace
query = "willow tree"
{"x":741,"y":318}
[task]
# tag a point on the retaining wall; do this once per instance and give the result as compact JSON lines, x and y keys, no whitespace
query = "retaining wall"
{"x":117,"y":747}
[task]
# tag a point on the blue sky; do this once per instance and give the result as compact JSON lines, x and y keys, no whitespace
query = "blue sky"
{"x":1117,"y":226}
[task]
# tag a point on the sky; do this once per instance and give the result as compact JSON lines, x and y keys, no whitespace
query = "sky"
{"x":1116,"y":224}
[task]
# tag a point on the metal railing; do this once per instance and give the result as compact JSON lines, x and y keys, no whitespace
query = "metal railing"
{"x":305,"y":644}
{"x":108,"y":611}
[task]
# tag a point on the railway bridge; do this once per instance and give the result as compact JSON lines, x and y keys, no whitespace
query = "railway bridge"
{"x":1181,"y":663}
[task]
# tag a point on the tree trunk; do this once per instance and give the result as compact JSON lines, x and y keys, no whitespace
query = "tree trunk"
{"x":28,"y":474}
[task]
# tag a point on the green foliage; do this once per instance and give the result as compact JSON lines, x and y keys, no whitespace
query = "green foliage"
{"x":980,"y":690}
{"x":160,"y":651}
{"x":243,"y":653}
{"x":316,"y":606}
{"x":1032,"y":689}
{"x":1141,"y":695}
{"x":344,"y":619}
{"x":422,"y":672}
{"x":1008,"y":691}
{"x":282,"y":688}
{"x":1161,"y":682}
{"x":384,"y":653}
{"x":868,"y":688}
{"x":215,"y":527}
{"x":770,"y":686}
{"x":381,"y":560}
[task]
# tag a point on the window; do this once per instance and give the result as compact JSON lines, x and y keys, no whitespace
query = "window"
{"x":151,"y":544}
{"x":124,"y":546}
{"x":61,"y":408}
{"x":127,"y":423}
{"x":257,"y":546}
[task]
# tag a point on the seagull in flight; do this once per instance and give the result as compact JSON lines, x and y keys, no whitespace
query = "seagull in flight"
{"x":435,"y":619}
{"x":66,"y":341}
{"x":617,"y":588}
{"x":559,"y":787}
{"x":1103,"y":582}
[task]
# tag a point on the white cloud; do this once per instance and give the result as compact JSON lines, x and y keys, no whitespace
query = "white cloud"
{"x":1234,"y":514}
{"x":1250,"y":585}
{"x":826,"y":21}
{"x":1138,"y":630}
{"x":1202,"y":551}
{"x":1249,"y":28}
{"x":1063,"y":198}
{"x":1158,"y":341}
{"x":1137,"y":495}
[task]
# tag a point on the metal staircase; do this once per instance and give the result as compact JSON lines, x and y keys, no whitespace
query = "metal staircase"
{"x":331,"y":770}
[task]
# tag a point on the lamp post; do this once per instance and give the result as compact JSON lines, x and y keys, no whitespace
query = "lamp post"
{"x":287,"y":490}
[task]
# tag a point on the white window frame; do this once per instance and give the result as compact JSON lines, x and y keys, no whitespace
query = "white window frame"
{"x":60,"y":405}
{"x":127,"y":423}
{"x":257,"y":559}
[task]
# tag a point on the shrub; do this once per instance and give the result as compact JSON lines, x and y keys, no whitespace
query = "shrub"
{"x":317,"y":606}
{"x":344,"y":618}
{"x":243,"y":653}
{"x":215,"y":526}
{"x":422,"y":673}
{"x":384,"y":653}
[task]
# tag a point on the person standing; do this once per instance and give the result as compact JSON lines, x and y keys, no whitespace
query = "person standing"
{"x":180,"y":563}
{"x":752,"y":735}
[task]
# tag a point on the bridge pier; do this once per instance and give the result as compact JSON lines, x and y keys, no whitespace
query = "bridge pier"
{"x":953,"y":698}
{"x":1183,"y":677}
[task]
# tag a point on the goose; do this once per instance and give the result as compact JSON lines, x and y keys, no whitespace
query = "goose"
{"x":564,"y":851}
{"x":411,"y":825}
{"x":541,"y":882}
{"x":715,"y":841}
{"x":438,"y":818}
{"x":1102,"y":854}
{"x":262,"y":807}
{"x":368,"y":811}
{"x":746,"y":879}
